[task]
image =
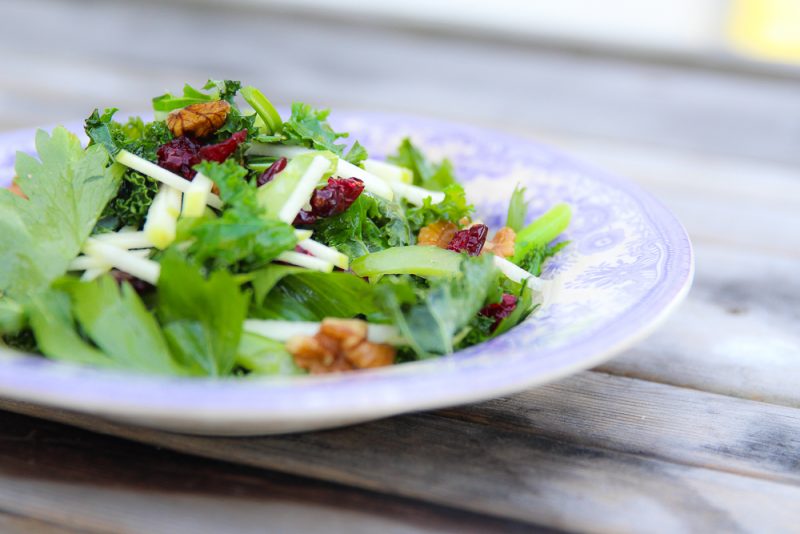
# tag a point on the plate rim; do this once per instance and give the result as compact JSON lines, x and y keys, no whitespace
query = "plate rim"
{"x":57,"y":384}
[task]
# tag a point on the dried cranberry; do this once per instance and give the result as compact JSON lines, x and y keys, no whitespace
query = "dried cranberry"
{"x":271,"y":171}
{"x":179,"y":156}
{"x":182,"y":153}
{"x":500,"y":310}
{"x":221,"y":151}
{"x":336,"y":197}
{"x":139,"y":285}
{"x":470,"y":240}
{"x":304,"y":218}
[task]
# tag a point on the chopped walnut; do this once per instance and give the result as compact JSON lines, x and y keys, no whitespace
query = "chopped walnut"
{"x":368,"y":355}
{"x":437,"y":234}
{"x":340,"y":345}
{"x":198,"y":120}
{"x":502,"y":244}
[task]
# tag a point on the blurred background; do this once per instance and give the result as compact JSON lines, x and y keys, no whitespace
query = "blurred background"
{"x":632,"y":69}
{"x":691,"y":92}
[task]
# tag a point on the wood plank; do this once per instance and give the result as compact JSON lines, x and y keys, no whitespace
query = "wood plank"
{"x":553,"y":90}
{"x":649,"y":419}
{"x":568,"y":456}
{"x":16,"y":524}
{"x":736,"y":334}
{"x":61,"y":479}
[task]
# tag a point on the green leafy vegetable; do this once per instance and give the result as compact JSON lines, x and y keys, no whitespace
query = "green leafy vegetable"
{"x":369,"y":224}
{"x":517,"y":209}
{"x":431,"y":318}
{"x":309,"y":127}
{"x":284,"y":292}
{"x":265,"y":357}
{"x":12,"y":316}
{"x":67,"y":190}
{"x":202,"y":318}
{"x":453,"y":208}
{"x":478,"y":331}
{"x":242,"y":233}
{"x":535,"y":258}
{"x":437,"y":177}
{"x":120,"y":325}
{"x":53,"y":324}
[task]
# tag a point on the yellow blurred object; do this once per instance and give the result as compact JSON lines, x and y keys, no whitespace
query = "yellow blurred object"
{"x":768,"y":29}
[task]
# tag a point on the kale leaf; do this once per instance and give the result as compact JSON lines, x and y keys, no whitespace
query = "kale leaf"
{"x":534,"y":260}
{"x":437,"y":177}
{"x":431,"y":318}
{"x":241,"y":235}
{"x":453,"y":208}
{"x":309,"y":127}
{"x":370,"y":224}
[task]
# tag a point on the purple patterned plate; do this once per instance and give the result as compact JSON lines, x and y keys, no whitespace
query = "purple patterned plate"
{"x":629,"y":264}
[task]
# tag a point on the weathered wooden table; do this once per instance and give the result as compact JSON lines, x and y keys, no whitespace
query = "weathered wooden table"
{"x":695,"y":429}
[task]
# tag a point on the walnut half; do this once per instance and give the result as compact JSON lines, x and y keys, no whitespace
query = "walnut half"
{"x":198,"y":120}
{"x":340,"y":345}
{"x":502,"y":244}
{"x":438,"y":234}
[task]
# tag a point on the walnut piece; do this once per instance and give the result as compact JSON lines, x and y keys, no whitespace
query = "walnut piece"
{"x":340,"y":345}
{"x":198,"y":120}
{"x":438,"y":234}
{"x":502,"y":244}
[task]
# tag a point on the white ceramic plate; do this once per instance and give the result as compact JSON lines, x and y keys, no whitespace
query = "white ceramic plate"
{"x":628,"y":265}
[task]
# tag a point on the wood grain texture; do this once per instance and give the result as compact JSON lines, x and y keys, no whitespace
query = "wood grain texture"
{"x":52,"y":476}
{"x":569,"y":456}
{"x":17,"y":524}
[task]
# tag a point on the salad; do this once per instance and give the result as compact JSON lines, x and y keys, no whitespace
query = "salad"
{"x":222,"y":239}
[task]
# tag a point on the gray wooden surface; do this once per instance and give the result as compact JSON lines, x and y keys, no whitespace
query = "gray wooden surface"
{"x":695,"y":429}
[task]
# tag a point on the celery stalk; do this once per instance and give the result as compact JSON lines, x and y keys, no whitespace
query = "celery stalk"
{"x":372,"y":183}
{"x":416,"y":195}
{"x":291,"y":189}
{"x":264,"y":108}
{"x":144,"y":269}
{"x":196,"y":196}
{"x":161,"y":225}
{"x":518,"y":274}
{"x":160,"y":174}
{"x":326,"y":253}
{"x":388,"y":171}
{"x":127,"y":240}
{"x":285,"y":330}
{"x":306,"y":261}
{"x":542,"y":231}
{"x":418,"y":260}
